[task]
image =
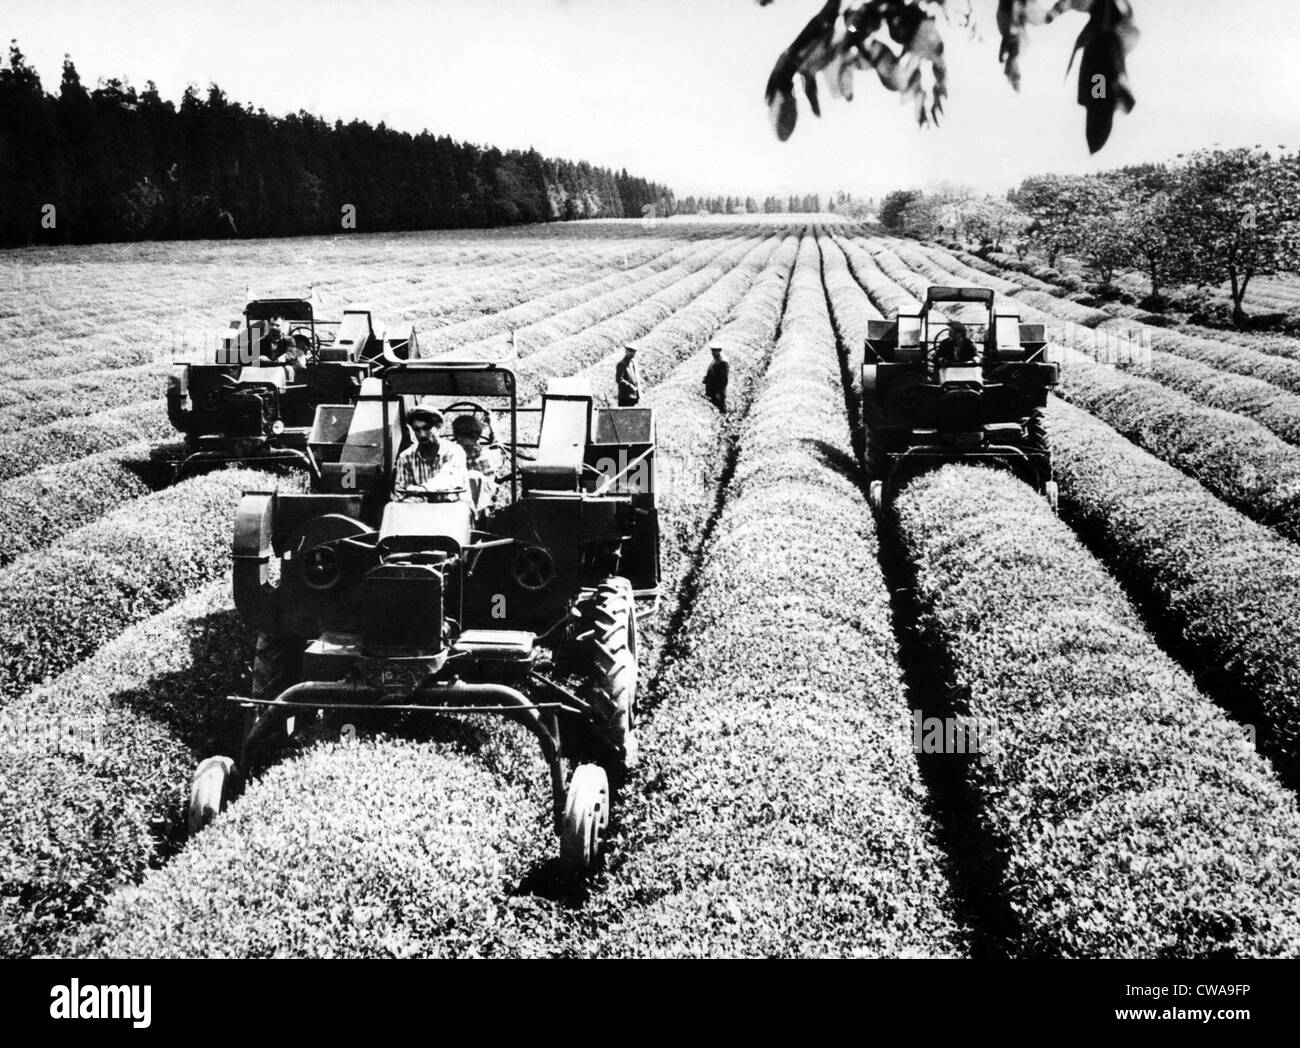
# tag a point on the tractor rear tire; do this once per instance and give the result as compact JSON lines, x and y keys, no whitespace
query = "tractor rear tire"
{"x":586,"y":818}
{"x":1037,"y":429}
{"x":277,"y":665}
{"x":211,"y":789}
{"x":607,"y":649}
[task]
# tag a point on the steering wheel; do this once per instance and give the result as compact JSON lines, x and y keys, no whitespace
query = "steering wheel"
{"x":305,"y":336}
{"x":473,"y":407}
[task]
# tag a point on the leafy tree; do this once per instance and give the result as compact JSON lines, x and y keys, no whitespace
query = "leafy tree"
{"x":1240,"y":211}
{"x":1055,"y":205}
{"x":31,"y":155}
{"x":1157,"y":243}
{"x":893,"y":206}
{"x":1105,"y":244}
{"x":1103,"y":229}
{"x":990,"y":220}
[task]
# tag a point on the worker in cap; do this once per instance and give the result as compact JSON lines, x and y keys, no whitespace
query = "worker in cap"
{"x":628,"y":378}
{"x":424,"y":410}
{"x":716,"y":379}
{"x":429,"y":464}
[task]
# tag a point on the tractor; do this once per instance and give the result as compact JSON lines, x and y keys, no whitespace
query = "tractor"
{"x":524,"y":605}
{"x":966,"y":384}
{"x":254,"y":399}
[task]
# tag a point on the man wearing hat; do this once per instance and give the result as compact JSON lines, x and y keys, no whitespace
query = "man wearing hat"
{"x":628,"y":377}
{"x":716,"y":378}
{"x":429,"y":464}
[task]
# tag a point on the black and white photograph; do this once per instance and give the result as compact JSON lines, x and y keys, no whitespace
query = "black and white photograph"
{"x":651,"y":479}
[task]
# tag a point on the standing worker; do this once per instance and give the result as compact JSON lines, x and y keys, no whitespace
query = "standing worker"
{"x":628,"y":377}
{"x":715,"y":380}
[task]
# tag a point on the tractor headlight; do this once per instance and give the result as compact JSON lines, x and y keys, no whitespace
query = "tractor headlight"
{"x":277,"y":427}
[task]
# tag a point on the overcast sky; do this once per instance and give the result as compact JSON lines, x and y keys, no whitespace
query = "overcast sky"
{"x":673,"y":89}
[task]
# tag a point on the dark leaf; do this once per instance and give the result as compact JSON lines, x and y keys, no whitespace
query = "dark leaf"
{"x":810,"y":89}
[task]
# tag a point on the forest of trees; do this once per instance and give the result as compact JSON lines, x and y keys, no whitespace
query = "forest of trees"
{"x":111,"y":163}
{"x":771,"y":205}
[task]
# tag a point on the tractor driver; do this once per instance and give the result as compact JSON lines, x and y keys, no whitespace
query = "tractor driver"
{"x":429,"y":464}
{"x":956,"y":347}
{"x":269,"y":343}
{"x":289,"y":352}
{"x":484,"y":464}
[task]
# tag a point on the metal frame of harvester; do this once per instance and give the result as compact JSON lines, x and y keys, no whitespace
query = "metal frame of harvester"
{"x":433,"y":606}
{"x":921,"y":412}
{"x":240,"y":406}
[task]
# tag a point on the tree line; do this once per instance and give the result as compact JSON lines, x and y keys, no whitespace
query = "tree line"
{"x":795,"y":203}
{"x":114,"y":163}
{"x":1208,"y":218}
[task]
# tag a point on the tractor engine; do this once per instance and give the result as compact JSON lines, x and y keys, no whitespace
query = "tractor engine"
{"x":225,"y":400}
{"x":395,"y":591}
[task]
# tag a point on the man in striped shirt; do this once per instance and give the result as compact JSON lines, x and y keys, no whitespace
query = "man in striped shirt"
{"x":429,"y":464}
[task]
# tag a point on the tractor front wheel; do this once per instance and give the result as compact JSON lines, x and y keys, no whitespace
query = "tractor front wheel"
{"x":876,"y":496}
{"x":586,"y":818}
{"x":211,"y":789}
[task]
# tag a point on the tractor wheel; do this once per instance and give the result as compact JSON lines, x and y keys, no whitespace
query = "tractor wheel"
{"x":586,"y":817}
{"x":211,"y":789}
{"x":876,"y":460}
{"x":277,"y":665}
{"x":1038,"y":429}
{"x":607,"y":645}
